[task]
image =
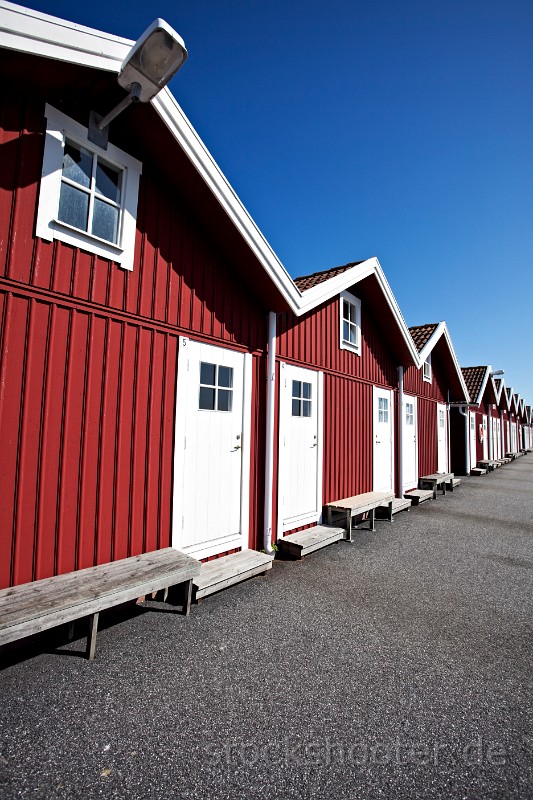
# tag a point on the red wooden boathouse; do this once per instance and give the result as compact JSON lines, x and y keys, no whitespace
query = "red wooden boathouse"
{"x":429,"y":388}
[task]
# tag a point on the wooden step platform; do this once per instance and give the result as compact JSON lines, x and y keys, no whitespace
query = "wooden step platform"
{"x":417,"y":496}
{"x":300,"y":544}
{"x":226,"y":571}
{"x":398,"y":504}
{"x":478,"y":471}
{"x":435,"y":481}
{"x":353,"y":510}
{"x":455,"y":482}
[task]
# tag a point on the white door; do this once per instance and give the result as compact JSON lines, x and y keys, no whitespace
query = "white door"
{"x":300,"y":447}
{"x":473,"y":444}
{"x":383,"y":441}
{"x":498,"y":438}
{"x":410,"y":443}
{"x":495,"y":448}
{"x":442,"y":439}
{"x":508,"y":436}
{"x":513,"y":437}
{"x":485,"y":436}
{"x":212,"y":449}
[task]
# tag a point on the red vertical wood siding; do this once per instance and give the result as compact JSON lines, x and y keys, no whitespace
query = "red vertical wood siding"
{"x":88,"y":359}
{"x":348,"y":442}
{"x":313,"y":340}
{"x":427,"y":436}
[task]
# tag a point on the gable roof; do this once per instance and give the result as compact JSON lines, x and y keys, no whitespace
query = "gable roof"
{"x":428,"y":337}
{"x":31,"y":32}
{"x":322,"y":286}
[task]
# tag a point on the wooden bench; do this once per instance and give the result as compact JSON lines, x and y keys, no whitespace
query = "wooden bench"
{"x":344,"y":511}
{"x":37,"y":606}
{"x":301,"y":543}
{"x":487,"y":464}
{"x":433,"y":482}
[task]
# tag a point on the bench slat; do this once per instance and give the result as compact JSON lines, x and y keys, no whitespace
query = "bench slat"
{"x":43,"y":604}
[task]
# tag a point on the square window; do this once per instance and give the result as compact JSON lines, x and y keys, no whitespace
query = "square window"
{"x":216,"y":392}
{"x":207,"y":398}
{"x":208,"y":373}
{"x":301,"y":399}
{"x":88,"y":195}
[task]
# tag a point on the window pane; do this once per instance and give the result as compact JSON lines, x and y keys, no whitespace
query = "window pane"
{"x":380,"y":416}
{"x":306,"y":390}
{"x":105,"y":221}
{"x":296,"y":388}
{"x":73,"y":207}
{"x":296,"y":408}
{"x":225,"y":377}
{"x":108,"y":181}
{"x":77,"y":164}
{"x":207,"y":399}
{"x":207,"y":373}
{"x":352,"y":334}
{"x":306,"y":408}
{"x":225,"y":397}
{"x":346,"y":331}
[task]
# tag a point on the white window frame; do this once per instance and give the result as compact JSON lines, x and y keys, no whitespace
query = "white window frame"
{"x":354,"y":301}
{"x":426,"y":370}
{"x":60,"y":127}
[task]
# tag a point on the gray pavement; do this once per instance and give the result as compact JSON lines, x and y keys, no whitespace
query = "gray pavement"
{"x":395,"y":667}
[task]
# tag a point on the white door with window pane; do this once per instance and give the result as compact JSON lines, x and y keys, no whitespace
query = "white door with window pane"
{"x":212,"y":449}
{"x":498,"y":438}
{"x":442,"y":438}
{"x":473,"y":444}
{"x":300,"y":447}
{"x":410,"y":443}
{"x":485,"y":436}
{"x":383,"y":449}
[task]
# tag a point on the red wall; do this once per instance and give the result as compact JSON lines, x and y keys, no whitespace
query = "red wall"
{"x":88,"y":369}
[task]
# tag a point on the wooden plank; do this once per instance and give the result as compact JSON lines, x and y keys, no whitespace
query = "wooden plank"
{"x":361,"y":503}
{"x":302,"y":543}
{"x":418,"y":496}
{"x":37,"y":606}
{"x":398,"y":504}
{"x":229,"y":570}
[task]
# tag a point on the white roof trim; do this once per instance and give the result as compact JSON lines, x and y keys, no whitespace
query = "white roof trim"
{"x":60,"y":39}
{"x":442,"y":330}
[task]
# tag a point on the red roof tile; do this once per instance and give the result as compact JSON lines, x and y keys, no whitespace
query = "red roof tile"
{"x":305,"y":282}
{"x":421,"y":334}
{"x":474,"y":377}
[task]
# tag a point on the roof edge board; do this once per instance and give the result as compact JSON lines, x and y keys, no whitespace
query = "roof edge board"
{"x":59,"y":39}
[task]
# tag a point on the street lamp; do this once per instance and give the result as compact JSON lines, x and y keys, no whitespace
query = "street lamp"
{"x":152,"y":61}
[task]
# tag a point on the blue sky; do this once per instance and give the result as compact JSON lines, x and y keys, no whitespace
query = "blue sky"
{"x":400,"y":129}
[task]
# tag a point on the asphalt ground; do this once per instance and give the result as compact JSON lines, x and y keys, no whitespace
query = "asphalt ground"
{"x":395,"y":667}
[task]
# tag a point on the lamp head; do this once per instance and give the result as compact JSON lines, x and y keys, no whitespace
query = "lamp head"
{"x":153,"y":60}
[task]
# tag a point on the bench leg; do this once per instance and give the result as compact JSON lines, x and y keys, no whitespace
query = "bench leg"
{"x":348,"y":524}
{"x":70,"y":631}
{"x":444,"y":488}
{"x":391,"y":518}
{"x":372,"y":519}
{"x":165,"y":594}
{"x":187,"y":598}
{"x":91,"y":639}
